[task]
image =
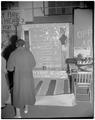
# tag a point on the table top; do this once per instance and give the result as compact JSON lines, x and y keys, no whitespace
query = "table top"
{"x":50,"y":74}
{"x":82,"y":72}
{"x":84,"y":64}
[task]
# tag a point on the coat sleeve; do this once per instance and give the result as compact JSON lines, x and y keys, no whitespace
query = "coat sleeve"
{"x":11,"y":63}
{"x":33,"y":62}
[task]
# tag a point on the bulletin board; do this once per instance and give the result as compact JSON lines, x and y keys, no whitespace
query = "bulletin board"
{"x":46,"y":46}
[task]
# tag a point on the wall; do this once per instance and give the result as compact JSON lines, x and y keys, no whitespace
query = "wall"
{"x":26,"y":10}
{"x":83,"y":29}
{"x":54,"y":19}
{"x":37,"y":8}
{"x":71,"y":41}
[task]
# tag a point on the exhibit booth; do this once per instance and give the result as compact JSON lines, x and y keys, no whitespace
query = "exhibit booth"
{"x":52,"y":41}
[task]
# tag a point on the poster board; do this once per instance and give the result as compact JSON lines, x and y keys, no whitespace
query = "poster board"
{"x":46,"y":46}
{"x":83,"y":32}
{"x":9,"y":20}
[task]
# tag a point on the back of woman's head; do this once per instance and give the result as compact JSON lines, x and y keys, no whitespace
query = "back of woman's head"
{"x":20,"y":43}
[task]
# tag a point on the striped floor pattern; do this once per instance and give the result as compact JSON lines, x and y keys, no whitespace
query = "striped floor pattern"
{"x":51,"y":87}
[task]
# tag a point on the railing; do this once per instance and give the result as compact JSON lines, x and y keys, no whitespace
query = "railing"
{"x":84,"y":77}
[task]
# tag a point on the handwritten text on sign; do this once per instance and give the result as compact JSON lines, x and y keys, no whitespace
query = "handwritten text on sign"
{"x":9,"y":20}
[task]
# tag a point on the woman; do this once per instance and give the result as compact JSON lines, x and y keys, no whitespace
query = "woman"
{"x":22,"y":62}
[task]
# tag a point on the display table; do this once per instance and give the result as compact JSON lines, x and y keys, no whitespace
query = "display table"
{"x":58,"y":79}
{"x":50,"y":74}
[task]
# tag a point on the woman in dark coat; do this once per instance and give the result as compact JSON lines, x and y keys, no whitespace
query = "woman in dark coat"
{"x":6,"y":53}
{"x":22,"y":62}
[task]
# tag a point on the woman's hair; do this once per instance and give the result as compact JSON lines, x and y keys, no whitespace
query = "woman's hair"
{"x":20,"y":42}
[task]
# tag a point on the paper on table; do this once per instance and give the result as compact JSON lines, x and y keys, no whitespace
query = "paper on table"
{"x":56,"y":100}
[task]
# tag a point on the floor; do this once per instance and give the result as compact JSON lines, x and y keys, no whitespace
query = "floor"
{"x":82,"y":109}
{"x":52,"y":87}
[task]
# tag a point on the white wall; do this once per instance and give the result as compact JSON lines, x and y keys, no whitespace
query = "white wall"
{"x":83,"y":28}
{"x":38,"y":8}
{"x":26,"y":10}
